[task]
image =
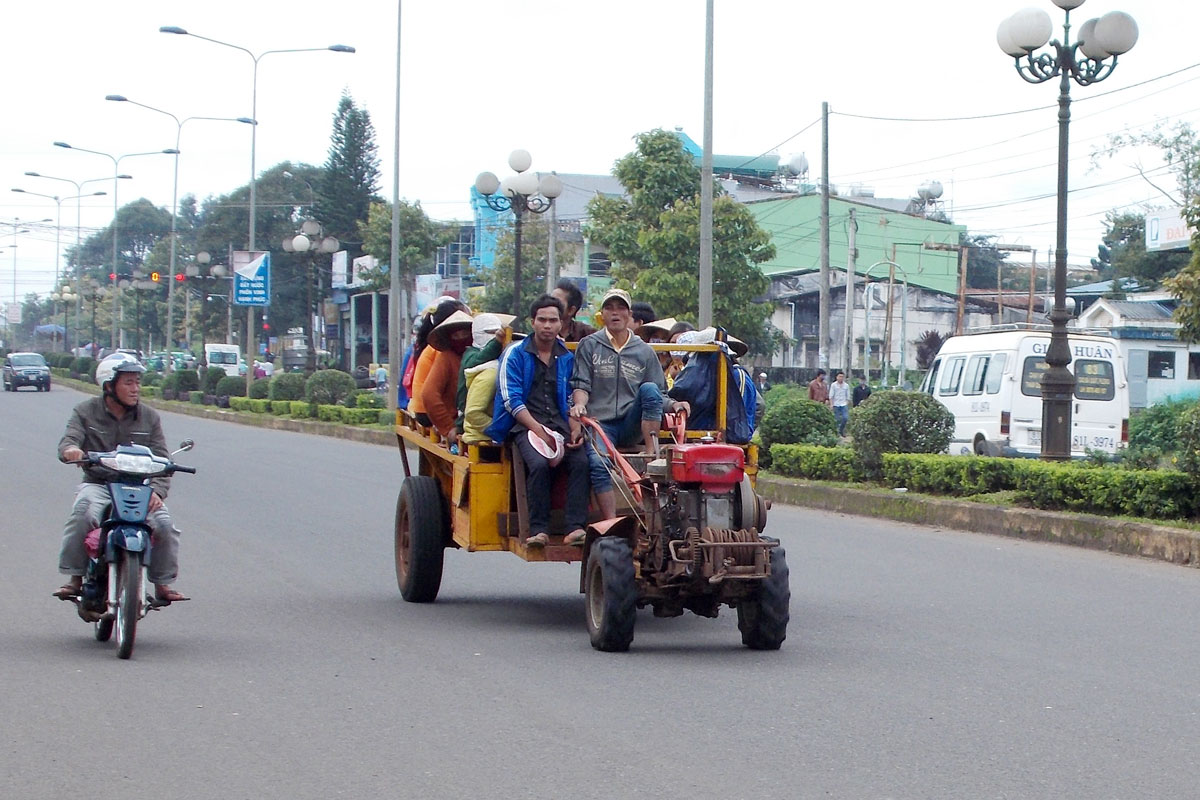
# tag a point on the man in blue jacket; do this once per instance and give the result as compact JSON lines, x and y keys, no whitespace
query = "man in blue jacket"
{"x":531,"y":401}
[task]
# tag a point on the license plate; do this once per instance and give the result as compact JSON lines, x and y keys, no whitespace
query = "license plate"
{"x":1035,"y":436}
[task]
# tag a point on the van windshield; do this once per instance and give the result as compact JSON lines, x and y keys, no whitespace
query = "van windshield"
{"x":217,"y":357}
{"x":1094,"y":380}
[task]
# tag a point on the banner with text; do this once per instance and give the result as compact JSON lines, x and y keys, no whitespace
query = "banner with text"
{"x":251,"y":277}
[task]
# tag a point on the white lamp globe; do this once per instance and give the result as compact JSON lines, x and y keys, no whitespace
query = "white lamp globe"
{"x":1116,"y":32}
{"x":310,"y":227}
{"x":525,"y":183}
{"x":1030,"y":28}
{"x":486,"y":183}
{"x":301,"y":243}
{"x":330,"y":244}
{"x":520,"y":160}
{"x":550,"y":186}
{"x":1089,"y":43}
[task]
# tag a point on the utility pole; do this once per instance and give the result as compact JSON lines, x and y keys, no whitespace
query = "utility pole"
{"x":1032,"y":286}
{"x":823,"y":296}
{"x":962,"y":278}
{"x":851,"y":257}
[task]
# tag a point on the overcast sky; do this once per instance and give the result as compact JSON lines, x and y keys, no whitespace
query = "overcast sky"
{"x":572,"y":82}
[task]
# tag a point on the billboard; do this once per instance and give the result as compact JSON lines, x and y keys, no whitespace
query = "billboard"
{"x":251,"y":278}
{"x":1166,"y":229}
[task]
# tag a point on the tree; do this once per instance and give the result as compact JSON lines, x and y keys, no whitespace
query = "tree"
{"x":1123,"y":249}
{"x":420,"y":237}
{"x":535,"y":260}
{"x":653,"y":238}
{"x":350,"y":180}
{"x":983,"y":262}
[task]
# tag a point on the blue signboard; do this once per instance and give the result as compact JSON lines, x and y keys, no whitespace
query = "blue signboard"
{"x":251,"y":277}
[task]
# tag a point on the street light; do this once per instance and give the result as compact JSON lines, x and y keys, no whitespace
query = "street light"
{"x":1100,"y":42}
{"x":215,"y":272}
{"x":518,"y":193}
{"x":116,"y":177}
{"x":311,"y":239}
{"x":78,"y":217}
{"x":179,"y":123}
{"x":66,"y":297}
{"x":58,"y":201}
{"x":16,"y":230}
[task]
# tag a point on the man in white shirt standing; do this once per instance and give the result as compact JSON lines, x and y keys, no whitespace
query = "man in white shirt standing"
{"x":839,"y":398}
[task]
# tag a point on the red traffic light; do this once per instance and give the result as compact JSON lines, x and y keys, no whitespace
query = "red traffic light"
{"x":179,"y":276}
{"x":112,"y":276}
{"x":266,"y":326}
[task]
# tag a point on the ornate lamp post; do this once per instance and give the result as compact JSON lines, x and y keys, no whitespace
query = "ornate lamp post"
{"x":520,"y":193}
{"x":311,"y":239}
{"x":1090,"y":59}
{"x":215,"y":272}
{"x":65,"y":296}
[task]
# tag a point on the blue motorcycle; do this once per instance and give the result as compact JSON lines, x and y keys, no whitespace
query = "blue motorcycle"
{"x":113,"y":594}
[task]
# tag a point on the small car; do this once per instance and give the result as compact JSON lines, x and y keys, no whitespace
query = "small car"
{"x":26,"y":369}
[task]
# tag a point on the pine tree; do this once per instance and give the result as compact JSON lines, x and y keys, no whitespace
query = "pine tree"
{"x":350,"y":179}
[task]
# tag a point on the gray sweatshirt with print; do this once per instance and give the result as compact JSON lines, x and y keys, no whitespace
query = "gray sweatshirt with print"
{"x":612,"y":378}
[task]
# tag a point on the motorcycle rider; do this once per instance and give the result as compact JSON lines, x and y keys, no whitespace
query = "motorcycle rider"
{"x":101,"y":424}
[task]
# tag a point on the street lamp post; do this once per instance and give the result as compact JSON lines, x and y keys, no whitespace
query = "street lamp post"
{"x":311,"y":239}
{"x":116,"y":178}
{"x":179,"y":123}
{"x":215,"y":272}
{"x":58,"y":201}
{"x":64,"y":295}
{"x":1090,"y":59}
{"x":16,"y":231}
{"x":336,"y":48}
{"x":520,"y":193}
{"x":78,"y":219}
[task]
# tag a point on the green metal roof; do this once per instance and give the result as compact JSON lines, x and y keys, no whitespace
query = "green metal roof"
{"x":793,"y":225}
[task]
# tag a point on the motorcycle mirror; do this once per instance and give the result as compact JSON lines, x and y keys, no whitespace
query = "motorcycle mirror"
{"x":186,"y":444}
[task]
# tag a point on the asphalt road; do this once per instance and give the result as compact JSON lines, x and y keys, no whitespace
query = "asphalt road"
{"x":919,"y":663}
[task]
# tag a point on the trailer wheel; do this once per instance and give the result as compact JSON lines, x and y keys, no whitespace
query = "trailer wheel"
{"x":763,"y":619}
{"x":420,"y":539}
{"x":611,"y":594}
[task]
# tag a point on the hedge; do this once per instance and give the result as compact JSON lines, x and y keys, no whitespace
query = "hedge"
{"x":258,"y":405}
{"x":329,"y":413}
{"x":360,"y":416}
{"x":301,"y":409}
{"x":260,"y":389}
{"x":196,"y":397}
{"x":230,"y":386}
{"x":1153,"y":494}
{"x":239,"y":403}
{"x":286,"y":386}
{"x":328,"y":387}
{"x":281,"y":407}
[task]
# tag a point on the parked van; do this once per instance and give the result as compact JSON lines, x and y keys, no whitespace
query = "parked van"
{"x":225,"y":356}
{"x":992,"y":383}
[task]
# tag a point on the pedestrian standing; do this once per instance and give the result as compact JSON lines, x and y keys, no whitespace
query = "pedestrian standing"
{"x":861,"y":392}
{"x":839,"y":398}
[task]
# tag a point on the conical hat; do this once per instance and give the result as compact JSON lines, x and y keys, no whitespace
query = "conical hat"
{"x":439,"y":337}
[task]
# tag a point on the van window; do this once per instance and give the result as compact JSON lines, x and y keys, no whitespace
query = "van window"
{"x":976,"y":372}
{"x":1094,"y":379}
{"x":995,"y":372}
{"x":931,"y":378}
{"x":951,"y":376}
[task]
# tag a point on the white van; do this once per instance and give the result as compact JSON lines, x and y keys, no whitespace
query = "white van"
{"x":225,"y":356}
{"x":992,"y":383}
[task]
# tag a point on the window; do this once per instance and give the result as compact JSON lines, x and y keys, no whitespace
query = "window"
{"x":931,"y":378}
{"x":1031,"y":376}
{"x":1161,"y":364}
{"x":976,"y":371}
{"x":1193,"y":366}
{"x":951,"y":376}
{"x":995,"y":373}
{"x":1093,"y":380}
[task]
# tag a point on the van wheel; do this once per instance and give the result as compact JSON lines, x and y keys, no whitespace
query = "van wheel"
{"x":981,"y":447}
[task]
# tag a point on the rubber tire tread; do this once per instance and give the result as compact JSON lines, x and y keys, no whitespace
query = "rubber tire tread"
{"x":421,"y":499}
{"x":763,"y":621}
{"x":614,"y":558}
{"x":127,"y":580}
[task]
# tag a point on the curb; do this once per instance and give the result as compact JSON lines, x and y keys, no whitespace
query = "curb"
{"x":1160,"y":542}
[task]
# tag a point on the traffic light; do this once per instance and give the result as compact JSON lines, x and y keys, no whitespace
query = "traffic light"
{"x":112,"y":276}
{"x":179,"y":276}
{"x":154,"y":276}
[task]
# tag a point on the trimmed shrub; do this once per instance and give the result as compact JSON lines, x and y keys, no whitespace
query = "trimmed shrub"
{"x":369,"y":399}
{"x":1188,"y":443}
{"x":196,"y":398}
{"x":328,"y":387}
{"x":1156,"y":494}
{"x":816,"y":463}
{"x":149,"y":392}
{"x":798,"y":420}
{"x":1158,"y":425}
{"x":281,"y":407}
{"x":301,"y":408}
{"x":151,"y":378}
{"x":360,"y":416}
{"x":329,"y":413}
{"x":239,"y":403}
{"x":259,"y":405}
{"x":230,"y":386}
{"x":286,"y":386}
{"x":950,"y":475}
{"x":210,"y":378}
{"x":259,"y":390}
{"x":387,"y":417}
{"x":83,"y":365}
{"x":898,"y":422}
{"x":187,"y":380}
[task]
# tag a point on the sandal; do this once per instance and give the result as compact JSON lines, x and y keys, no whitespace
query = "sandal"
{"x":166,"y":596}
{"x":537,"y":540}
{"x":575,"y":538}
{"x":67,"y":591}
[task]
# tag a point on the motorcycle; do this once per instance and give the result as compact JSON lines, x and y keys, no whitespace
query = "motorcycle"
{"x":113,"y":595}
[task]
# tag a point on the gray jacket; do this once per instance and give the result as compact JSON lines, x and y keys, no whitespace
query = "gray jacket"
{"x":92,"y":427}
{"x":611,"y":379}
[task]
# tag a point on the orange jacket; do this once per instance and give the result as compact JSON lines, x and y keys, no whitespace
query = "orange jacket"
{"x":440,"y":389}
{"x":424,"y":363}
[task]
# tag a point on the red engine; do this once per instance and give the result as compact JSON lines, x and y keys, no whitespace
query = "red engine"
{"x":719,"y":467}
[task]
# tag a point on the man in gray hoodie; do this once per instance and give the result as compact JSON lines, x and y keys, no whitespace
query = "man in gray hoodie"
{"x":619,"y":381}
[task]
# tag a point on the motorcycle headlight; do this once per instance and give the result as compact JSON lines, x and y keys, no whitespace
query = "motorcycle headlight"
{"x":131,"y":463}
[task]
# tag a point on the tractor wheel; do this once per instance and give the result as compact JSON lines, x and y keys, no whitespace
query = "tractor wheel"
{"x":420,"y":539}
{"x":763,"y":619}
{"x":611,"y":594}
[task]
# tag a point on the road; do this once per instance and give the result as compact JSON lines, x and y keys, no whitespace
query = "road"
{"x":919,"y":663}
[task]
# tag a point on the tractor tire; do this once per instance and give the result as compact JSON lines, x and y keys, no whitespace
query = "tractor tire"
{"x":763,"y":619}
{"x":611,"y":594}
{"x":420,"y":539}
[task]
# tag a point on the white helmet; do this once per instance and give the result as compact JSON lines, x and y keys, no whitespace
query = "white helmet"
{"x":107,"y":369}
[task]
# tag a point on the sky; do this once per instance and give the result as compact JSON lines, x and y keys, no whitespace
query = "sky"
{"x":573,"y":82}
